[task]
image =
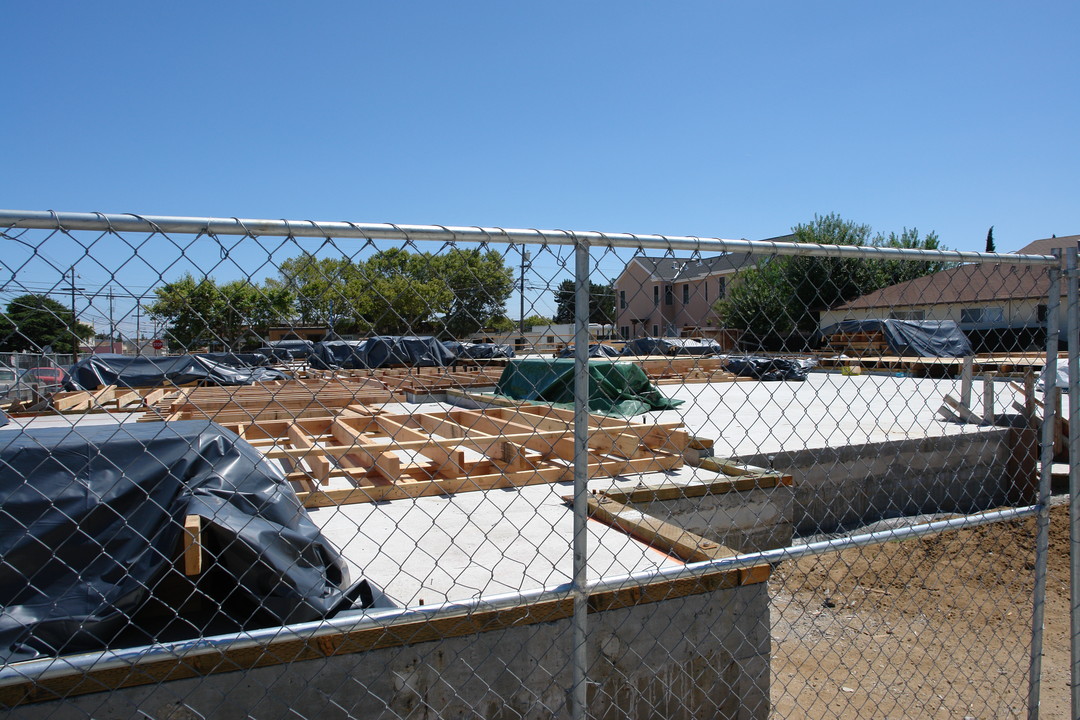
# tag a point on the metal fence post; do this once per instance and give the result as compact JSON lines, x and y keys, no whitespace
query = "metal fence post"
{"x":1046,"y":459}
{"x":581,"y":473}
{"x":1073,"y":328}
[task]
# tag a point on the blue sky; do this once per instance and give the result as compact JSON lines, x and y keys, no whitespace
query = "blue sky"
{"x":734,"y":120}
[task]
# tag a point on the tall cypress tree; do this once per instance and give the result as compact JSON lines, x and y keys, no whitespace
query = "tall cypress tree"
{"x":990,"y":240}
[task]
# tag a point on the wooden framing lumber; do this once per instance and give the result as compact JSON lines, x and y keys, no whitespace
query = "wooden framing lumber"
{"x":366,"y":458}
{"x":654,"y":532}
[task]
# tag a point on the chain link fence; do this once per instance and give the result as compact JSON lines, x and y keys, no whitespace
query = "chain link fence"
{"x":354,"y":470}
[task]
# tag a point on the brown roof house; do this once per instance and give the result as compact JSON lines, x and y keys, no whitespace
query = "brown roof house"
{"x":999,"y":307}
{"x":673,"y":297}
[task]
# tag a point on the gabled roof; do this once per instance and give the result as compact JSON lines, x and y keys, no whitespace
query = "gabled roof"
{"x":977,"y":282}
{"x":1044,"y":246}
{"x":669,"y":269}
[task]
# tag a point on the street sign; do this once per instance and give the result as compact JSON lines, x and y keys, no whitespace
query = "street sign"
{"x":158,"y":344}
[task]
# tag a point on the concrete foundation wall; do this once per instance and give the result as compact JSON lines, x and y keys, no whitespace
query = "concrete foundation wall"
{"x":746,"y":521}
{"x":694,"y":657}
{"x":858,"y":484}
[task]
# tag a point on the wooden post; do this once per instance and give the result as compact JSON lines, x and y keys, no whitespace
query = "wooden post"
{"x":1029,"y":397}
{"x":966,"y":377}
{"x":988,"y":399}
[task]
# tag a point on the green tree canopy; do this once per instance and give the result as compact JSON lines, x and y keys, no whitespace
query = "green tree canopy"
{"x":396,"y":291}
{"x":534,"y":321}
{"x":786,"y":293}
{"x":601,"y":303}
{"x":34,"y":322}
{"x":234,"y":315}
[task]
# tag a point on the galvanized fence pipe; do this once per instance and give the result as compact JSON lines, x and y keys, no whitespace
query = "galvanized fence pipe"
{"x":1074,"y":470}
{"x":459,"y":234}
{"x":1046,"y":460}
{"x":112,"y":659}
{"x":581,"y":479}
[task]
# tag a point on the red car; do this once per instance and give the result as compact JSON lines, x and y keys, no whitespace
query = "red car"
{"x":44,"y":376}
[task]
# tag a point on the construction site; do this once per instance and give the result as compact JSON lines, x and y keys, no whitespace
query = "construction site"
{"x":424,"y":534}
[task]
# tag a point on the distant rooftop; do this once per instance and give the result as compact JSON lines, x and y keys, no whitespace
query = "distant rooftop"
{"x":681,"y":269}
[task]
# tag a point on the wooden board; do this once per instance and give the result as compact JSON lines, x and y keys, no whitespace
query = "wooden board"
{"x":366,"y":458}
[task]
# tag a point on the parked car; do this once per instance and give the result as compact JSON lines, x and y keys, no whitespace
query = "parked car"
{"x":45,"y":376}
{"x":9,"y":382}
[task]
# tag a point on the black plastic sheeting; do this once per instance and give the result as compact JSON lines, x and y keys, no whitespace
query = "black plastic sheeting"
{"x":287,"y":350}
{"x":380,"y":351}
{"x":91,"y":520}
{"x":479,"y":351}
{"x":97,"y":371}
{"x":767,"y":368}
{"x":254,"y":359}
{"x":911,"y":338}
{"x":596,"y":350}
{"x":670,"y":346}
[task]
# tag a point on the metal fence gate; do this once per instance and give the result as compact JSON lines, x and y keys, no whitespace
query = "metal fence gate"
{"x":416,"y":471}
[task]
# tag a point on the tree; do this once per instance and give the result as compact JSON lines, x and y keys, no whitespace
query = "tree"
{"x":534,"y":321}
{"x":601,"y":303}
{"x":34,"y":322}
{"x":990,"y":240}
{"x":480,"y":284}
{"x":786,"y":293}
{"x":233,"y":315}
{"x":396,"y":291}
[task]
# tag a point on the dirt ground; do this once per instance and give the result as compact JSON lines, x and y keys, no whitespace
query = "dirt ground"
{"x":932,"y":628}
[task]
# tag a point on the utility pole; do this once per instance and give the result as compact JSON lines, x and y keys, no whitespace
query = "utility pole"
{"x":74,"y":319}
{"x":112,"y":323}
{"x":525,"y":257}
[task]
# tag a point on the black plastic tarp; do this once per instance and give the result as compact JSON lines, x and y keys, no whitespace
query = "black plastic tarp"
{"x":91,"y":520}
{"x":381,"y":351}
{"x":254,"y":359}
{"x":596,"y":350}
{"x":670,"y":346}
{"x":910,"y":338}
{"x":479,"y":351}
{"x":286,"y":350}
{"x":769,"y":368}
{"x":96,"y":371}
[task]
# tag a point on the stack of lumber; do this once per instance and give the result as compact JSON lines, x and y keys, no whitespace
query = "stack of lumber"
{"x":108,"y":399}
{"x":677,"y":370}
{"x":351,"y":459}
{"x":289,"y":399}
{"x":416,"y":380}
{"x":859,"y":343}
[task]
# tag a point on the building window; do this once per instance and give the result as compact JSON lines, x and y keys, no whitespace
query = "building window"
{"x":721,"y":288}
{"x":907,"y":314}
{"x":982,"y":315}
{"x":669,"y":295}
{"x":656,"y":331}
{"x":686,"y":294}
{"x":625,"y":332}
{"x":622,"y":299}
{"x":656,"y":295}
{"x":705,"y":287}
{"x":1040,"y":313}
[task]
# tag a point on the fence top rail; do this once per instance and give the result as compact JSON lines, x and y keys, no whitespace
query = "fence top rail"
{"x":126,"y":222}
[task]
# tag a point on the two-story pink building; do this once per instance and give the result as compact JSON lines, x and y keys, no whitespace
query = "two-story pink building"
{"x":673,"y":297}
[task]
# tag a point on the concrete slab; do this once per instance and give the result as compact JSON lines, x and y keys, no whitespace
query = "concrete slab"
{"x":436,"y":549}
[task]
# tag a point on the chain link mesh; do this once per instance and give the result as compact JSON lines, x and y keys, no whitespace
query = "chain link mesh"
{"x":249,"y":472}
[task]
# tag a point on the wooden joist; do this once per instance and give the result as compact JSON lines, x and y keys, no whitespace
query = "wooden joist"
{"x":366,"y":458}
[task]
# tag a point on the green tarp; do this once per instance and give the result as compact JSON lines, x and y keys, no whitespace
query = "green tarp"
{"x":615,"y":388}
